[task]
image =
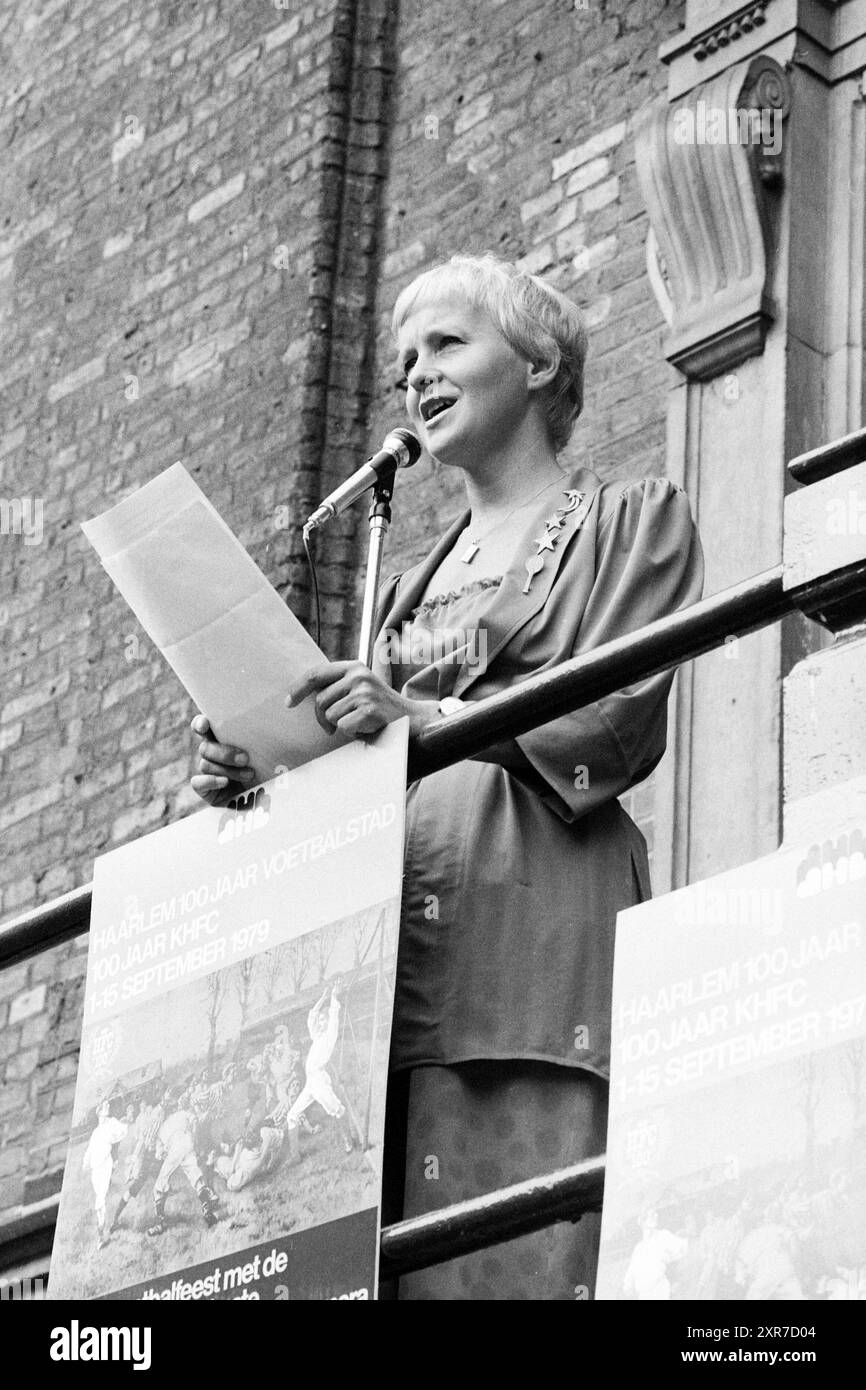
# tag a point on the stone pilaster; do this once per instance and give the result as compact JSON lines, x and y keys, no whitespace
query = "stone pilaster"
{"x":756,"y":258}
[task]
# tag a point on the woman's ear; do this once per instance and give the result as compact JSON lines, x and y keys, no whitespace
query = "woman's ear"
{"x":542,"y":372}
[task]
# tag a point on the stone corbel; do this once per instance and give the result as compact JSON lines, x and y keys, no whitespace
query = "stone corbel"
{"x":708,"y":167}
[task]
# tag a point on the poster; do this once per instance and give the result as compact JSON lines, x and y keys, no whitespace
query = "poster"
{"x":229,"y":1111}
{"x":736,"y":1157}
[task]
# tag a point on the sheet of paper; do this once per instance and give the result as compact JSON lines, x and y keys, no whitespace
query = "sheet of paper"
{"x":223,"y":629}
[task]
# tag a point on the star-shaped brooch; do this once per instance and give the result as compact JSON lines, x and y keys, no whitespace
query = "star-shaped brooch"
{"x":547,"y":543}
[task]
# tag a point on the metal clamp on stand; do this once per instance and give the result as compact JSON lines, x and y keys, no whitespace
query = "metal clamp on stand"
{"x":380,"y":521}
{"x":401,"y":449}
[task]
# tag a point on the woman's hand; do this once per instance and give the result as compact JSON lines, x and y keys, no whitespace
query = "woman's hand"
{"x":349,"y":697}
{"x":223,"y":771}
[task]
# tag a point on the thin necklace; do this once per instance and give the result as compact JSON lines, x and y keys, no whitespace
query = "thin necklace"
{"x":475,"y":541}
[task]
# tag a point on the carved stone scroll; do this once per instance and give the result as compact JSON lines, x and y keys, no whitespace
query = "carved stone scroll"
{"x":707,"y":167}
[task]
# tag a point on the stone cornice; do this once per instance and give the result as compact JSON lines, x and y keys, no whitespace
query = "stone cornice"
{"x":727,"y":31}
{"x":827,"y":37}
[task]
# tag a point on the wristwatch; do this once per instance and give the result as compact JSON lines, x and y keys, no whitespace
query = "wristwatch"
{"x":451,"y":705}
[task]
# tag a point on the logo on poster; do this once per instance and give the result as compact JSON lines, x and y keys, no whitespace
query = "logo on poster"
{"x":102,"y":1047}
{"x":251,"y":814}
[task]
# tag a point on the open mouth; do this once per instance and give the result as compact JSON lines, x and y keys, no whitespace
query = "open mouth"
{"x":433,"y":406}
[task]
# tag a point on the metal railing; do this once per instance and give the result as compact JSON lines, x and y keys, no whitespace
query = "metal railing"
{"x":408,"y":1245}
{"x":660,"y":646}
{"x":568,"y":1193}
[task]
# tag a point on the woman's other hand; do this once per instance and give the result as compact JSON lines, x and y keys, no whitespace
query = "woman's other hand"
{"x":223,"y":770}
{"x":349,"y":697}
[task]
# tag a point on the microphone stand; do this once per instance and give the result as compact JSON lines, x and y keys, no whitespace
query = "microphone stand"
{"x":380,"y":520}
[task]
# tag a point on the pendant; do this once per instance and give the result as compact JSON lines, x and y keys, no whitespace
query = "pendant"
{"x":469,"y":555}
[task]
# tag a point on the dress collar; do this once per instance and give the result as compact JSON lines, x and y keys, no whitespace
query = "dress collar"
{"x":527,"y":580}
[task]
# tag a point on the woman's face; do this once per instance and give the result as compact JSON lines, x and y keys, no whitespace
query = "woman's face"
{"x":468,"y":389}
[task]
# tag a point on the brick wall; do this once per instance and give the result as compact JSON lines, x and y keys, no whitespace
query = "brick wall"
{"x":186,"y":271}
{"x":512,"y":133}
{"x":197,"y":262}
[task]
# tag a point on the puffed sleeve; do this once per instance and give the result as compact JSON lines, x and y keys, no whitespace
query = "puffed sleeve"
{"x":649,"y":563}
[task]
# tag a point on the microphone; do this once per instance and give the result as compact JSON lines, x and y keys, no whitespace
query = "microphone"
{"x":401,"y":449}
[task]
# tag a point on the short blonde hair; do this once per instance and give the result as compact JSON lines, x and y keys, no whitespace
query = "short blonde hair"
{"x":537,"y":321}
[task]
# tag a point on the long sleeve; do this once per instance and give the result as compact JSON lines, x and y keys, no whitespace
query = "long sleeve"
{"x":649,"y":563}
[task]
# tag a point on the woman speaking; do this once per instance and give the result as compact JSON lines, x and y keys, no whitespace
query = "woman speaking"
{"x":517,"y":860}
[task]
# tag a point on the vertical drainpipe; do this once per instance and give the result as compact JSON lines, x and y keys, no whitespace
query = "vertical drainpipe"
{"x":321,"y":290}
{"x":362,"y":36}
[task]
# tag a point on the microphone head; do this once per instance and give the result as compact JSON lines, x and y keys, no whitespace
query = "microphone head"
{"x":404,"y":445}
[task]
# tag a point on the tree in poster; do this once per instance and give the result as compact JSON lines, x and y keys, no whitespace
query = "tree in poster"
{"x":244,"y":984}
{"x":298,"y":960}
{"x":361,"y":929}
{"x":854,"y":1076}
{"x":273,"y":963}
{"x":216,"y":995}
{"x":810,"y":1098}
{"x":323,"y":945}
